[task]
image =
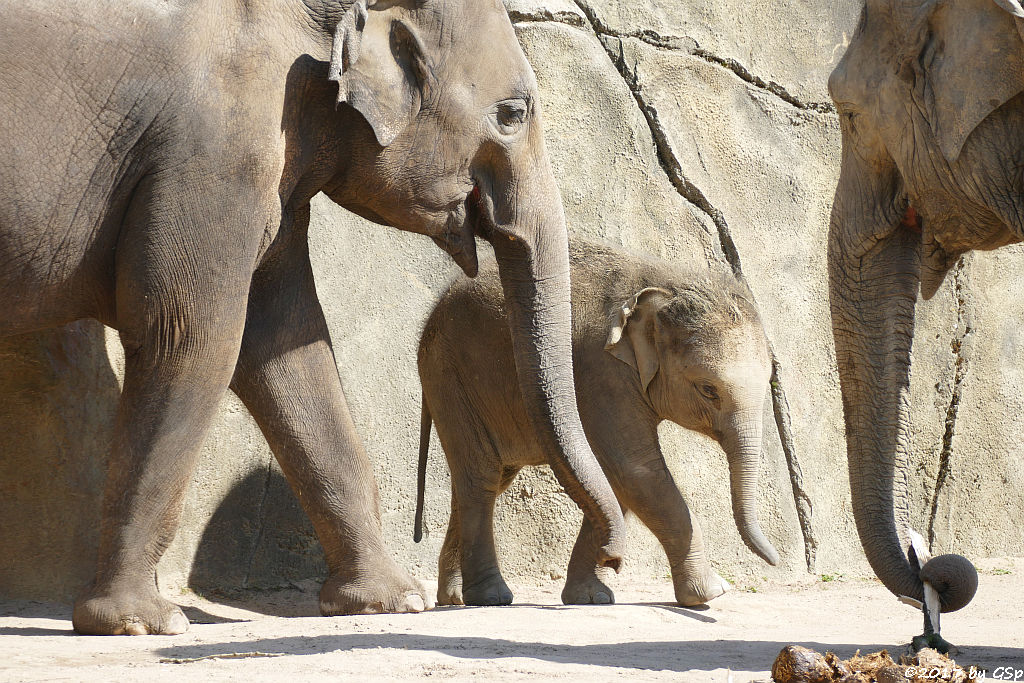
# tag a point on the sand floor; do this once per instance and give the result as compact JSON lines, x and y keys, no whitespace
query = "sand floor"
{"x":274,"y":637}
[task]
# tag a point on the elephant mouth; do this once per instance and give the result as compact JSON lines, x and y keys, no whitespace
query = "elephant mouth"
{"x":464,"y":223}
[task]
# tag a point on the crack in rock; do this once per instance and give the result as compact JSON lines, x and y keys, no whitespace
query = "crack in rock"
{"x":667,"y":157}
{"x":673,"y":169}
{"x":769,"y":86}
{"x":959,"y":348}
{"x":676,"y":43}
{"x":804,"y":508}
{"x":546,"y":15}
{"x":262,"y":513}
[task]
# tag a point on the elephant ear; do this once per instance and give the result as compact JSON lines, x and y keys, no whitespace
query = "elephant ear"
{"x":972,"y":63}
{"x":378,"y":62}
{"x":632,"y":334}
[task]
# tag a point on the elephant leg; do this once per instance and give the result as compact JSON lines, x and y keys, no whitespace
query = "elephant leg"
{"x":169,"y":399}
{"x":181,"y":314}
{"x":449,"y":563}
{"x":654,"y":497}
{"x":449,"y":574}
{"x":482,"y":583}
{"x":585,"y":580}
{"x":288,"y":379}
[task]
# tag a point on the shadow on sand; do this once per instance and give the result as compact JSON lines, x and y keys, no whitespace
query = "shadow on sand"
{"x":737,"y":655}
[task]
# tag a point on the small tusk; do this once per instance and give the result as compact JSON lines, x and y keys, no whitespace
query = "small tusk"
{"x":907,"y":600}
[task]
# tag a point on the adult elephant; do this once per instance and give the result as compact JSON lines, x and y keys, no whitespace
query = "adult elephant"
{"x":159,"y":159}
{"x":930,"y":101}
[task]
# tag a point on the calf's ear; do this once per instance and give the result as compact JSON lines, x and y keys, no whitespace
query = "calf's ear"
{"x":632,"y":332}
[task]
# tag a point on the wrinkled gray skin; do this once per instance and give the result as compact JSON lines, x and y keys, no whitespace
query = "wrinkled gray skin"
{"x":158,"y":162}
{"x":650,"y":343}
{"x":932,"y":113}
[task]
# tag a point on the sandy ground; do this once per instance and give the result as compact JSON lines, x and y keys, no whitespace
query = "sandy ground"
{"x":270,"y":636}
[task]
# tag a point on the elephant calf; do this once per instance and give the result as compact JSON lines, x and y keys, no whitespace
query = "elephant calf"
{"x":650,"y":342}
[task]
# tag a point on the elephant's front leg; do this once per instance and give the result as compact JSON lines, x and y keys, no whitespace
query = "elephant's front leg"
{"x":172,"y":386}
{"x":288,"y":379}
{"x":653,"y":495}
{"x":586,"y":581}
{"x":645,"y":486}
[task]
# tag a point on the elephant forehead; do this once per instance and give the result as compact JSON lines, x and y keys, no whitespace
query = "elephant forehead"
{"x":459,"y":19}
{"x":868,"y":63}
{"x":747,"y":374}
{"x":735,"y":352}
{"x":477,"y":45}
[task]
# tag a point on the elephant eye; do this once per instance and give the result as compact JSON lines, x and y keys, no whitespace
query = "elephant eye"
{"x":510,"y":116}
{"x":708,"y":391}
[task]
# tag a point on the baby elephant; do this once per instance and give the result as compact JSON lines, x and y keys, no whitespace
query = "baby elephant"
{"x":650,"y":343}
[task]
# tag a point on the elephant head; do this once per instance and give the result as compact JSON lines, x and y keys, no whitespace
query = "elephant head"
{"x":930,"y":113}
{"x":452,"y":146}
{"x":704,"y":363}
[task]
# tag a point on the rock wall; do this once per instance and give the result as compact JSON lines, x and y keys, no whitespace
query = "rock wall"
{"x":688,"y":129}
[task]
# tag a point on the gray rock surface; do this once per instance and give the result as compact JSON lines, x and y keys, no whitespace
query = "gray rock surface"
{"x":675,"y":127}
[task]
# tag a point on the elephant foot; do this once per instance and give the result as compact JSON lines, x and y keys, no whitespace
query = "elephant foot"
{"x":122,"y":612}
{"x":691,"y":592}
{"x":490,"y":591}
{"x":389,"y":591}
{"x":449,"y":590}
{"x":588,"y":591}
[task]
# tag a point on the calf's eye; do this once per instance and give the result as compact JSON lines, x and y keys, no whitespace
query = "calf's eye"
{"x":708,"y":391}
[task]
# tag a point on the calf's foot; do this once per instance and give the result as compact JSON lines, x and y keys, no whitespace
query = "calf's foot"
{"x":449,"y":590}
{"x":490,"y":590}
{"x":692,"y":590}
{"x":589,"y":590}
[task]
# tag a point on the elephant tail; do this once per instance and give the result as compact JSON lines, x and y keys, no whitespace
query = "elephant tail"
{"x":421,"y":470}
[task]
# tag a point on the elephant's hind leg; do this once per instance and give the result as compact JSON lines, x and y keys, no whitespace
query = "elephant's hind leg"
{"x":477,"y":479}
{"x":181,"y":318}
{"x":482,"y":582}
{"x":449,"y":565}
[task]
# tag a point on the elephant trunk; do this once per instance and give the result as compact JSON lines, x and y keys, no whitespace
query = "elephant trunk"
{"x":527,"y":229}
{"x":741,"y":440}
{"x":873,"y":285}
